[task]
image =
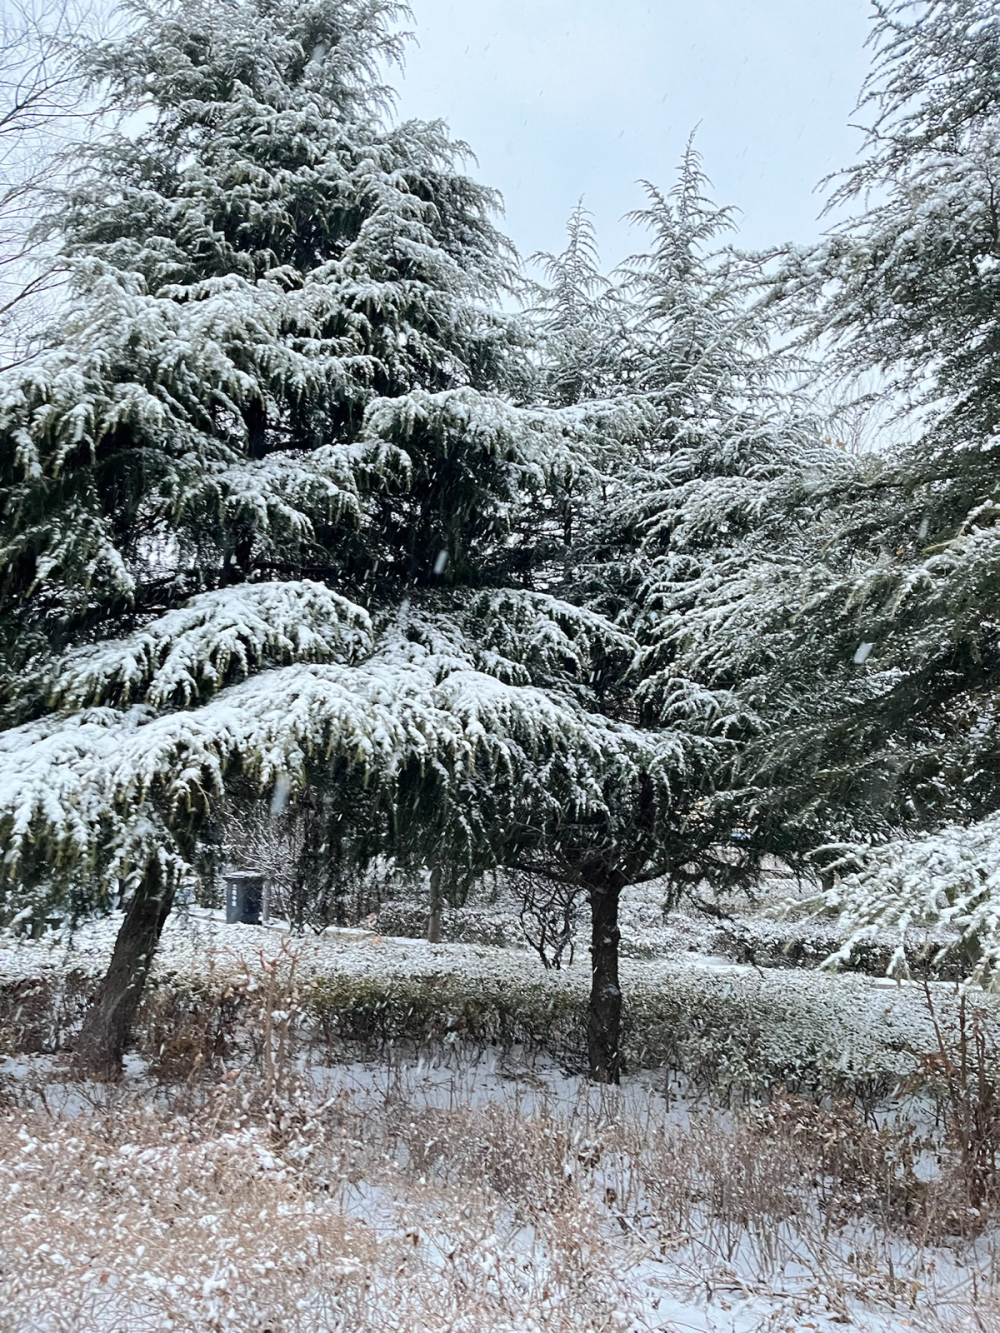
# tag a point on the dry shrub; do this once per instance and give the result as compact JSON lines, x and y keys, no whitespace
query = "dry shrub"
{"x":529,"y":1162}
{"x":249,"y":1018}
{"x":964,"y":1074}
{"x":791,"y":1187}
{"x":209,"y":1223}
{"x":242,"y":1199}
{"x":727,"y":1183}
{"x":981,"y":1317}
{"x":257,"y":1202}
{"x":36,"y":1014}
{"x":853,"y":1166}
{"x":166,"y":1226}
{"x":183,"y":1031}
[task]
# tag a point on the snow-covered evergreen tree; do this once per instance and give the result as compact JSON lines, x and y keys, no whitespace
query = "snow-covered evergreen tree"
{"x":692,"y":487}
{"x":583,"y":320}
{"x":882,"y":681}
{"x":911,"y":287}
{"x":707,"y":521}
{"x":270,"y":505}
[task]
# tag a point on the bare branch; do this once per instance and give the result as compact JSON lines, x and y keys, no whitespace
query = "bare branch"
{"x":43,"y":113}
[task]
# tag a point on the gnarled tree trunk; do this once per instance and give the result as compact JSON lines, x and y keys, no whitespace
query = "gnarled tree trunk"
{"x":107,"y":1024}
{"x":604,"y":1015}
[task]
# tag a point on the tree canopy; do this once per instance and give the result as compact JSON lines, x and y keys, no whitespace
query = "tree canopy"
{"x":878,"y":597}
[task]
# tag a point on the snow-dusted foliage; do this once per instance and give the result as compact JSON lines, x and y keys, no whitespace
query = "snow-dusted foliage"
{"x":519,"y":636}
{"x":908,"y":287}
{"x":478,"y":465}
{"x":584,"y":322}
{"x":950,"y":877}
{"x":252,"y":273}
{"x":294,"y":515}
{"x":277,"y":500}
{"x":839,"y":608}
{"x":145,"y":406}
{"x":194,"y":650}
{"x":889,"y":662}
{"x":706,"y":535}
{"x":416,"y":719}
{"x":849,"y":601}
{"x":710,"y":497}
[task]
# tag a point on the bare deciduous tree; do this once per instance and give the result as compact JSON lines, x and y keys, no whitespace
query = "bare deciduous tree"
{"x":44,"y":112}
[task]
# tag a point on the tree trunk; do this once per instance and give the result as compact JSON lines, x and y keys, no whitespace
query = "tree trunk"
{"x":604,"y":1016}
{"x":107,"y":1025}
{"x":434,"y":915}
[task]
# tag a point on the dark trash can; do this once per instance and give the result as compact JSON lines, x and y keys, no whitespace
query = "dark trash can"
{"x":244,"y":899}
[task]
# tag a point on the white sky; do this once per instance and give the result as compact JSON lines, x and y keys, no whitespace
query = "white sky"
{"x":563,"y":98}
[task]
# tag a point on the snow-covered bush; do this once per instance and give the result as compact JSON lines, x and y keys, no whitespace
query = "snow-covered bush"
{"x":729,"y":1030}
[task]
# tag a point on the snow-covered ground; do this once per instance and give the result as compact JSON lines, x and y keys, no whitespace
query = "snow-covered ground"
{"x":470,"y":1194}
{"x":479,"y":1187}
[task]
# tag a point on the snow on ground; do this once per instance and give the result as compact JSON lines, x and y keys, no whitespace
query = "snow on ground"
{"x":463,"y":1194}
{"x":475,"y":1188}
{"x":775,"y":928}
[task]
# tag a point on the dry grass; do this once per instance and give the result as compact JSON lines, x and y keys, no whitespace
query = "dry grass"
{"x":376,"y":1202}
{"x":245,"y":1214}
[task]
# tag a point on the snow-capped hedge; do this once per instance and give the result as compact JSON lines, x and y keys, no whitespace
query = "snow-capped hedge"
{"x":733,"y":1029}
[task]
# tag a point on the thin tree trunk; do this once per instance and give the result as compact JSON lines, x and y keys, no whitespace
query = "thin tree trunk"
{"x":434,"y":915}
{"x":604,"y":1016}
{"x":107,"y":1025}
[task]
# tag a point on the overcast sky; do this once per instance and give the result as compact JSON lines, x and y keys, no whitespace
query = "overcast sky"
{"x":563,"y":98}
